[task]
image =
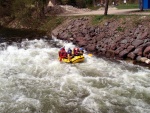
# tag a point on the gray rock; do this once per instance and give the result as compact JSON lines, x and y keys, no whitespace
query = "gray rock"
{"x":136,"y":43}
{"x":146,"y":51}
{"x":123,"y":53}
{"x":131,"y":55}
{"x":124,"y":41}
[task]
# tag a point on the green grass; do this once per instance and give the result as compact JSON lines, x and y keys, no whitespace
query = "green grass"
{"x":127,"y":6}
{"x":94,"y":8}
{"x":52,"y":22}
{"x":100,"y":18}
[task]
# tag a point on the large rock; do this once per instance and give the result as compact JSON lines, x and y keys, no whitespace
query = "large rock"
{"x":100,"y":36}
{"x":131,"y":55}
{"x":136,"y":43}
{"x":146,"y":51}
{"x":82,"y":43}
{"x":138,"y":51}
{"x":91,"y":47}
{"x":125,"y":41}
{"x":123,"y":53}
{"x":142,"y":35}
{"x":130,"y":48}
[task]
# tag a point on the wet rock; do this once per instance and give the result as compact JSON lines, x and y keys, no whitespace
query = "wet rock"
{"x":131,"y":55}
{"x":146,"y":51}
{"x":138,"y":51}
{"x":138,"y":58}
{"x":123,"y":53}
{"x":147,"y":61}
{"x":118,"y":50}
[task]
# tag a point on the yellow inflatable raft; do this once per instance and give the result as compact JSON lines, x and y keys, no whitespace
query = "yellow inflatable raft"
{"x":75,"y":59}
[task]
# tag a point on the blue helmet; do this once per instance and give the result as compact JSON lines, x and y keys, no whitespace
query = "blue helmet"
{"x":62,"y":48}
{"x":81,"y":49}
{"x":69,"y":50}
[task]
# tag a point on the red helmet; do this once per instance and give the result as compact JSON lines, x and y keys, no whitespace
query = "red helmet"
{"x":76,"y":48}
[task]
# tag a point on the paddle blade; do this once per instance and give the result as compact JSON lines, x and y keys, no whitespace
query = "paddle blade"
{"x":90,"y":55}
{"x":60,"y":59}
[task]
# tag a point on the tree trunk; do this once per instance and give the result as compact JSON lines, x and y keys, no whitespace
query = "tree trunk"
{"x":94,"y":3}
{"x":106,"y":7}
{"x":42,"y":12}
{"x":141,"y":4}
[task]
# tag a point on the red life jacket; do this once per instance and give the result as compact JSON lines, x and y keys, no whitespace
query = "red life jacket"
{"x":76,"y":52}
{"x":62,"y":54}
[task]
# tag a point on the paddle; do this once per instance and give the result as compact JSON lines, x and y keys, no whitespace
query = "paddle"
{"x":60,"y":59}
{"x":90,"y":55}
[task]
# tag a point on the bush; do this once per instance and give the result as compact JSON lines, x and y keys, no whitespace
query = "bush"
{"x":80,"y":3}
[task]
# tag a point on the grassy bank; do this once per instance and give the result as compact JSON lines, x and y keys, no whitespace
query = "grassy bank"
{"x":45,"y":26}
{"x":128,"y":6}
{"x":30,"y":28}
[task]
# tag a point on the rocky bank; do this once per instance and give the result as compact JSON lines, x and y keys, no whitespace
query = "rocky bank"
{"x":121,"y":37}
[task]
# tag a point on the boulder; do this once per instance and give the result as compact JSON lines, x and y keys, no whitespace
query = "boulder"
{"x":142,"y":35}
{"x":123,"y":53}
{"x":137,"y":42}
{"x":138,"y":51}
{"x":146,"y":51}
{"x":82,"y":43}
{"x":91,"y":47}
{"x":147,"y":61}
{"x":100,"y":36}
{"x":130,"y":48}
{"x":125,"y":41}
{"x":131,"y":55}
{"x":78,"y":39}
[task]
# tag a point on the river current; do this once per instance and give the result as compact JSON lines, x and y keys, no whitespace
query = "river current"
{"x":32,"y":80}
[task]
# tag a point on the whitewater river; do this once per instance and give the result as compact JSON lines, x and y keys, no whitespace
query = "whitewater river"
{"x":32,"y":80}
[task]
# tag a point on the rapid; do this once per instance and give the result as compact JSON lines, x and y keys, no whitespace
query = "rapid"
{"x":32,"y":80}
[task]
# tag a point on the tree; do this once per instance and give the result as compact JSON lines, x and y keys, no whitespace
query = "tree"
{"x":106,"y":7}
{"x":94,"y":3}
{"x":40,"y":5}
{"x":141,"y":5}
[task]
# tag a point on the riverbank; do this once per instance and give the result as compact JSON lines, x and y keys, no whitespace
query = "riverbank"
{"x":117,"y":37}
{"x":113,"y":36}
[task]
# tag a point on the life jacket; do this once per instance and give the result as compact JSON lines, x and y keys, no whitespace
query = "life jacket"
{"x":69,"y":52}
{"x":76,"y":51}
{"x":62,"y":54}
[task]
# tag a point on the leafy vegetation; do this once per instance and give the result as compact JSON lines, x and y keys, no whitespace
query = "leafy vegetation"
{"x":99,"y":18}
{"x":128,"y":6}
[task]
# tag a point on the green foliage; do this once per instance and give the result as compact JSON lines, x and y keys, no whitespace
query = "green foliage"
{"x":80,"y":3}
{"x":99,"y":18}
{"x":51,"y":23}
{"x":22,"y":8}
{"x":128,"y":6}
{"x":64,"y":2}
{"x":88,"y":2}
